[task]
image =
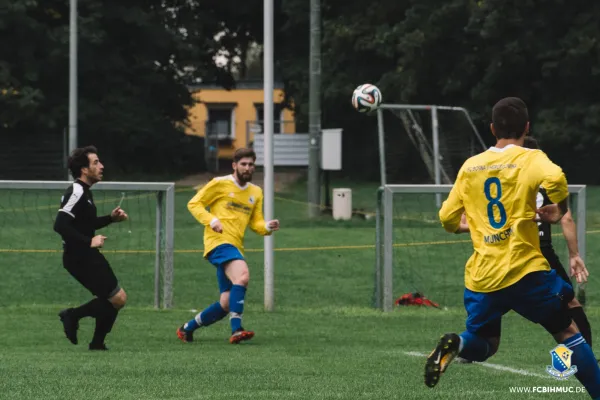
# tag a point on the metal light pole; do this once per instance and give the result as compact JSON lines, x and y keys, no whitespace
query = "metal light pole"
{"x":73,"y":76}
{"x":314,"y":109}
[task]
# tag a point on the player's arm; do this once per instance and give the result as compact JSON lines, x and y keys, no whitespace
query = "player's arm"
{"x":463,"y":227}
{"x":203,"y":199}
{"x":63,"y":224}
{"x":554,"y":181}
{"x":117,"y":215}
{"x":257,"y":220}
{"x":452,"y":209}
{"x":102,"y":221}
{"x":576,"y":264}
{"x":570,"y":233}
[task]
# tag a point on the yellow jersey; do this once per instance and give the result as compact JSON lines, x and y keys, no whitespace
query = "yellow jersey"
{"x":237,"y":207}
{"x":497,"y":190}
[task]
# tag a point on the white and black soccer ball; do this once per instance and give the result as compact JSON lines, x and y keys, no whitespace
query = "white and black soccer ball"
{"x":366,"y":98}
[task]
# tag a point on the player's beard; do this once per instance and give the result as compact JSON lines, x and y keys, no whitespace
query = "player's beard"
{"x":97,"y":177}
{"x":93,"y":177}
{"x":243,"y":177}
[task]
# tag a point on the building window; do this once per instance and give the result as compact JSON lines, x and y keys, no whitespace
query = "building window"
{"x":220,"y":123}
{"x":277,"y":116}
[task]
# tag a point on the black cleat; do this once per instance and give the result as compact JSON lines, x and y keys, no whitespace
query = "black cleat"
{"x":95,"y":346}
{"x":70,"y":324}
{"x":185,"y":336}
{"x":440,"y":358}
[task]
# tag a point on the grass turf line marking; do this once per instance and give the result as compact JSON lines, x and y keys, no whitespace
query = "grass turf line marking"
{"x":497,"y":367}
{"x":314,"y":248}
{"x":183,"y":251}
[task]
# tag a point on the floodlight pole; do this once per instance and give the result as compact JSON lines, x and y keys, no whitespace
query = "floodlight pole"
{"x":268,"y":137}
{"x":73,"y":76}
{"x":314,"y":109}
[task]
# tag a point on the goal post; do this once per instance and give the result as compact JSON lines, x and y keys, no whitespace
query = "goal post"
{"x":414,"y":253}
{"x":31,"y":193}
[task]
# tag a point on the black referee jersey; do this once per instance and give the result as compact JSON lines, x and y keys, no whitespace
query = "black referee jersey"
{"x":77,"y":219}
{"x":544,"y":227}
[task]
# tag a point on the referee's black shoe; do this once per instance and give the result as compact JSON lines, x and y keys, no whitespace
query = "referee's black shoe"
{"x":70,"y":324}
{"x":98,"y":346}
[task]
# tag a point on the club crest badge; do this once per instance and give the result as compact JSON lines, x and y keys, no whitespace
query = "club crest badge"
{"x":561,"y":367}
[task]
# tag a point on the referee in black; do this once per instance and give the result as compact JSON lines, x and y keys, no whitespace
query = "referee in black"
{"x":77,"y":222}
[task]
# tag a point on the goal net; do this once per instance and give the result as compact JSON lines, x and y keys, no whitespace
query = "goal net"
{"x":140,"y":250}
{"x":415,"y":254}
{"x":424,"y":143}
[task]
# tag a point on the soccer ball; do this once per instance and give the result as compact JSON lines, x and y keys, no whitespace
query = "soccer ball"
{"x":366,"y":98}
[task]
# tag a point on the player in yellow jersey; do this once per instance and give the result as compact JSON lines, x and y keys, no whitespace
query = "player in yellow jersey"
{"x":226,"y":206}
{"x":497,"y":191}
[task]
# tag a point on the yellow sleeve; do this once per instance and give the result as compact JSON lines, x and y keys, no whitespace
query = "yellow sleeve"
{"x":453,"y":208}
{"x":257,"y":219}
{"x":553,"y":178}
{"x":203,"y":199}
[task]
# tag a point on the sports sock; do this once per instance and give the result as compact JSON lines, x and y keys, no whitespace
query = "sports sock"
{"x":473,"y":347}
{"x":92,"y":308}
{"x":208,"y":316}
{"x":588,"y":372}
{"x":580,"y":318}
{"x":104,"y":322}
{"x":236,"y":306}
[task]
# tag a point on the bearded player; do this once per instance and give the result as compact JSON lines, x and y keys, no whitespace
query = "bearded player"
{"x":226,"y":206}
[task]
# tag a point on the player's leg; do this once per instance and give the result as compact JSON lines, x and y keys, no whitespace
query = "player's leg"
{"x":588,"y":371}
{"x":211,"y":314}
{"x":580,"y":318}
{"x":480,"y":340}
{"x":542,"y":298}
{"x":113,"y":298}
{"x":238,"y":273}
{"x":76,"y":265}
{"x":106,"y":321}
{"x":219,"y":257}
{"x":575,"y":308}
{"x":96,"y":275}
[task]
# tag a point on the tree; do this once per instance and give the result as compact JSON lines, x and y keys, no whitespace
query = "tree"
{"x":136,"y":59}
{"x":459,"y":52}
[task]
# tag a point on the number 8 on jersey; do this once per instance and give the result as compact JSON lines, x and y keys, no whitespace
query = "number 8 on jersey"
{"x":494,"y":201}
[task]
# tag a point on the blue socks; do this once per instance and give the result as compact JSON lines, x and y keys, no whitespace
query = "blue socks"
{"x":474,"y":348}
{"x":236,"y":306}
{"x":208,"y":316}
{"x":215,"y":312}
{"x":588,"y":372}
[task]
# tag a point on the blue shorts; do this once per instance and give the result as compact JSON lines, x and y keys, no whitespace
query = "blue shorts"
{"x":540,"y":296}
{"x":220,"y":256}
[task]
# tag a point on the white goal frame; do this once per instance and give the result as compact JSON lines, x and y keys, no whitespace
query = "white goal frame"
{"x":165,"y":195}
{"x":384,"y":248}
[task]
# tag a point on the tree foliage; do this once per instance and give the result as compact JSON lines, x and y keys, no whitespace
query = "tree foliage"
{"x":136,"y":60}
{"x":458,"y":52}
{"x":137,"y":57}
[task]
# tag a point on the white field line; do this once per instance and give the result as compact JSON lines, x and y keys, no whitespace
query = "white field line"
{"x":497,"y":367}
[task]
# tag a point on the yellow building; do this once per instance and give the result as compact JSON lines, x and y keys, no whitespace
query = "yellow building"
{"x":229,"y":119}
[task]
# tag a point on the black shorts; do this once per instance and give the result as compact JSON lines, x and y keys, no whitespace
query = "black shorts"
{"x":555,"y":263}
{"x":93,"y":271}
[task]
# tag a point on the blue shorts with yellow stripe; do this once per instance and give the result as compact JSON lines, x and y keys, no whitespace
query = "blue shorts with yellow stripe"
{"x":220,"y":256}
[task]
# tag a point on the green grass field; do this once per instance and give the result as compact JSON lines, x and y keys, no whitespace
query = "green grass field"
{"x":323,"y":341}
